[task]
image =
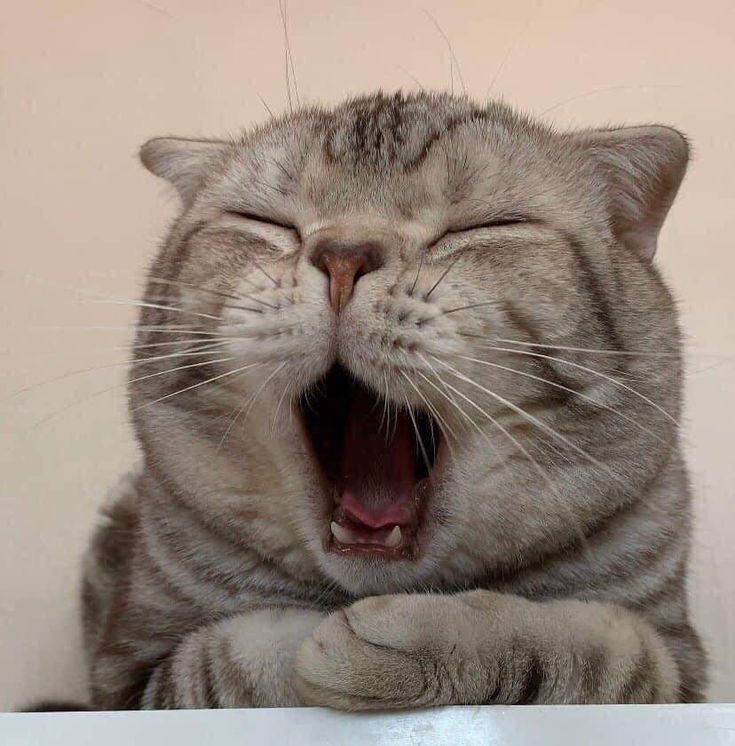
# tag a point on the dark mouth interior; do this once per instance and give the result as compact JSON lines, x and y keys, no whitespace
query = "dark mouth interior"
{"x":330,"y":409}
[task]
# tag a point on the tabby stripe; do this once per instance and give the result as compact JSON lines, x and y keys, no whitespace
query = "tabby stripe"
{"x":534,"y":676}
{"x":640,"y":688}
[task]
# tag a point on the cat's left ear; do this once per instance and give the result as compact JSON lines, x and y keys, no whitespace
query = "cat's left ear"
{"x":642,"y":168}
{"x":183,"y":163}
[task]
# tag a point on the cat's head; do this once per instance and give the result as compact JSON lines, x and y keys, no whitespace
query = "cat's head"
{"x":414,"y":337}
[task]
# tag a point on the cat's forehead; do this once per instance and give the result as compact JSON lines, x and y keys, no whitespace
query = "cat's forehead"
{"x":392,"y":133}
{"x":407,"y":156}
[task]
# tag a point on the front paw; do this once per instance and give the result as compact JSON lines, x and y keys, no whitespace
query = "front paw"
{"x":386,"y":652}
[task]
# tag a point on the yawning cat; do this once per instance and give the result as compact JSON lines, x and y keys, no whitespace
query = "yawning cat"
{"x":406,"y":386}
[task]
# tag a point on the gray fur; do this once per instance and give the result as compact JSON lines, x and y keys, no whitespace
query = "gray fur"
{"x":561,"y":579}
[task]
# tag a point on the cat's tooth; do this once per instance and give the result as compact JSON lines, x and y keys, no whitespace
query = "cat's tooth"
{"x":394,"y":538}
{"x":342,"y":534}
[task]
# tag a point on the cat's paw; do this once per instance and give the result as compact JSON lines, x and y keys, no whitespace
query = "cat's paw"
{"x":385,"y":652}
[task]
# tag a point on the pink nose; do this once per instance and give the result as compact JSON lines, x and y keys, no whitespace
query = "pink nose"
{"x":344,"y":266}
{"x":397,"y":513}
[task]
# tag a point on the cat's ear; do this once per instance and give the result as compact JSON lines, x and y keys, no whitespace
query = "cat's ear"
{"x":642,"y":168}
{"x":183,"y":163}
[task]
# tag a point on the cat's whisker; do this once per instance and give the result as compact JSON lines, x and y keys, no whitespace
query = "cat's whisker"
{"x":210,"y":350}
{"x":219,"y":339}
{"x":438,"y":377}
{"x":191,"y":286}
{"x":117,"y":386}
{"x":157,"y":329}
{"x":253,"y":310}
{"x":524,"y":451}
{"x":416,"y":279}
{"x":289,"y":58}
{"x":430,"y":407}
{"x":275,"y":284}
{"x":419,"y":439}
{"x":265,"y":106}
{"x":447,"y":394}
{"x":576,"y":393}
{"x":453,"y":61}
{"x":469,"y":306}
{"x":449,"y":399}
{"x":240,"y":369}
{"x":591,"y":350}
{"x":217,"y":294}
{"x":441,"y":277}
{"x":443,"y":425}
{"x":181,"y":367}
{"x":171,"y":343}
{"x":158,"y":306}
{"x":169,"y":329}
{"x":286,"y":390}
{"x":412,"y":76}
{"x":49,"y":352}
{"x":159,"y":299}
{"x":385,"y":397}
{"x":605,"y":89}
{"x":592,"y":371}
{"x":504,"y":61}
{"x":529,"y":418}
{"x":249,"y":403}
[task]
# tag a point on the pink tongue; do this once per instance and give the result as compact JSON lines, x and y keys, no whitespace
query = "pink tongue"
{"x":378,"y":465}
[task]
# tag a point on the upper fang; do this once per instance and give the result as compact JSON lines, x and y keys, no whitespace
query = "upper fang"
{"x":394,"y":538}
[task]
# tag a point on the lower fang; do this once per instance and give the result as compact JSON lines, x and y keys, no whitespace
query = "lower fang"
{"x":342,"y":534}
{"x":394,"y":538}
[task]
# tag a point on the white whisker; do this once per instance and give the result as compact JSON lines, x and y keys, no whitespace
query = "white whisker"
{"x":530,"y":418}
{"x":467,"y":307}
{"x":453,"y":61}
{"x":211,"y":348}
{"x":446,"y":394}
{"x":442,"y":276}
{"x":241,"y":369}
{"x":191,"y":286}
{"x":434,"y":412}
{"x":157,"y":329}
{"x":286,"y":390}
{"x":159,"y":306}
{"x":109,"y":389}
{"x":594,"y":372}
{"x":249,"y":403}
{"x":579,"y":394}
{"x":542,"y":472}
{"x":419,"y":439}
{"x":107,"y":366}
{"x":632,"y":353}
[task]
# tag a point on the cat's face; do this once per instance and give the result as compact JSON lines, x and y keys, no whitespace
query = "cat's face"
{"x":382,"y":292}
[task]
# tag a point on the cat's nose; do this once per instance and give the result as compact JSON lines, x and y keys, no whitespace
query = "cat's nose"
{"x":344,"y":265}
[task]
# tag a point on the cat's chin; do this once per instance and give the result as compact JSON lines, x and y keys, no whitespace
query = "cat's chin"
{"x":378,"y":466}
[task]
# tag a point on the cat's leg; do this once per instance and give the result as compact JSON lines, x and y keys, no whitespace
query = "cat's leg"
{"x":243,"y":661}
{"x":481,"y":647}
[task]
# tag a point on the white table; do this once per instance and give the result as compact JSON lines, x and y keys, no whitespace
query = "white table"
{"x":675,"y":725}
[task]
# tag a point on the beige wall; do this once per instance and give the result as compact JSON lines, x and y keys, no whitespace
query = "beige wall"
{"x":84,"y":82}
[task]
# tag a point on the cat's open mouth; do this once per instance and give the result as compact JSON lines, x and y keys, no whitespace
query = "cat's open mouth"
{"x":377,"y":462}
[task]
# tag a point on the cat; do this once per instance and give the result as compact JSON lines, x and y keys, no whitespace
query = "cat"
{"x":406,"y":386}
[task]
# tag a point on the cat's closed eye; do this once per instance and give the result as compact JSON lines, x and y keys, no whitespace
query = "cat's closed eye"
{"x":500,"y":222}
{"x":255,"y":218}
{"x":462,"y":233}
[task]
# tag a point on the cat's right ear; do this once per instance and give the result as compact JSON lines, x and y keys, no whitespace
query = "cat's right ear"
{"x":183,"y":163}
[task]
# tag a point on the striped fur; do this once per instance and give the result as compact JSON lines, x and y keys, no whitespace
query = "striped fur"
{"x":552,"y":570}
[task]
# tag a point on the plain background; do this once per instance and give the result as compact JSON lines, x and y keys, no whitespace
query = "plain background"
{"x":84,"y":82}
